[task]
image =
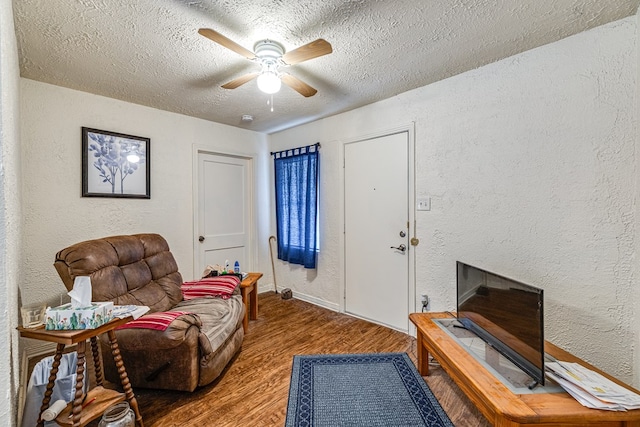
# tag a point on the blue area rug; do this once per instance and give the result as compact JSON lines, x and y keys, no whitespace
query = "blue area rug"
{"x":358,"y":390}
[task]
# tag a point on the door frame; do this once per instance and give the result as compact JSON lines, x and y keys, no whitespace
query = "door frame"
{"x":253,"y":220}
{"x":409,"y":128}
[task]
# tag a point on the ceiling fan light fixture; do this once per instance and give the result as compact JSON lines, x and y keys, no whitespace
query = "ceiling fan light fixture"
{"x":270,"y":56}
{"x":269,"y":82}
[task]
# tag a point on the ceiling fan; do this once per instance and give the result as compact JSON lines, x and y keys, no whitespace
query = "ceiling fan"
{"x":271,"y":56}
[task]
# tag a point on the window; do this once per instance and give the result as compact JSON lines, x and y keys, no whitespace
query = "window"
{"x":296,"y":180}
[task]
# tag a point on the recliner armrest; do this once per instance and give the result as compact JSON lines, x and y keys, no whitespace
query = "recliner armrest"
{"x":145,"y":339}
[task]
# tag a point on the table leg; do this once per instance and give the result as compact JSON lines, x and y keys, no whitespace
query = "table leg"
{"x":253,"y":296}
{"x":52,"y":379}
{"x":423,"y":356}
{"x":77,"y":401}
{"x":95,"y":350}
{"x":246,"y":299}
{"x":124,"y":379}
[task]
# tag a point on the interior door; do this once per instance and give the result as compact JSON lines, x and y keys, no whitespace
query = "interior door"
{"x":377,"y":229}
{"x":224,"y":211}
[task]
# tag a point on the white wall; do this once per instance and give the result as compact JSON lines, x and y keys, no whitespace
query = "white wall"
{"x":530,"y":164}
{"x":636,"y":300}
{"x":10,"y":224}
{"x":55,"y":214}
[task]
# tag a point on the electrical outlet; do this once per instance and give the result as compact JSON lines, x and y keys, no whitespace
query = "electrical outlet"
{"x":425,"y":302}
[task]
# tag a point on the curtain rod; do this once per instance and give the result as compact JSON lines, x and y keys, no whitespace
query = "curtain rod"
{"x":317,"y":145}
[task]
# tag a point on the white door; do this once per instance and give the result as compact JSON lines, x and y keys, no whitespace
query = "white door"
{"x":377,"y":229}
{"x":223,"y":211}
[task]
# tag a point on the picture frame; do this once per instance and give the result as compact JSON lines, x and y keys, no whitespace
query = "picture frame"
{"x":115,"y":165}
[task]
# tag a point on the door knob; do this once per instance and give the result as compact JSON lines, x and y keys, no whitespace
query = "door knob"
{"x":201,"y":239}
{"x":401,"y":248}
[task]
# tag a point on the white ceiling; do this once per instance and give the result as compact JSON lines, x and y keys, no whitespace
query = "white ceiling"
{"x":149,"y":52}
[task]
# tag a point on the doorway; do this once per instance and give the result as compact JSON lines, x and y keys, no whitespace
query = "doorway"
{"x":378,"y":222}
{"x":224,"y":205}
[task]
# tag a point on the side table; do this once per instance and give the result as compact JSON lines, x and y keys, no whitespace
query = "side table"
{"x":74,"y":415}
{"x":249,"y":291}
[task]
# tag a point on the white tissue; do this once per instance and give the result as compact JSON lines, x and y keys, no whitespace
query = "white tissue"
{"x":54,"y":410}
{"x":81,"y":292}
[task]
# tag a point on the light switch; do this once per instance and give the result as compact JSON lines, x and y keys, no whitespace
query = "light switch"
{"x":424,"y":204}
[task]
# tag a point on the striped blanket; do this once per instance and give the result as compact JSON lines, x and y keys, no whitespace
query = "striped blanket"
{"x":159,"y":321}
{"x":217,"y":286}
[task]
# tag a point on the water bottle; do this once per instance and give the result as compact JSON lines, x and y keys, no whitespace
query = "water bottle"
{"x":236,"y":268}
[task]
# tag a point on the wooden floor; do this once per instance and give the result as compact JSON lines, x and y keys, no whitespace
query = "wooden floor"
{"x":253,"y":390}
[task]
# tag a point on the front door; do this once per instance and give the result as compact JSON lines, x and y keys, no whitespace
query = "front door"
{"x":223,"y":212}
{"x":377,"y":229}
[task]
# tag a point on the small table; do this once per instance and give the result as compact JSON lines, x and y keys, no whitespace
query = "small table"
{"x":495,"y":400}
{"x":103,"y":397}
{"x":249,"y":291}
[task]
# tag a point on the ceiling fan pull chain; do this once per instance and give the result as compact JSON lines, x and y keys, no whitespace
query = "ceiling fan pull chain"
{"x":272,"y":103}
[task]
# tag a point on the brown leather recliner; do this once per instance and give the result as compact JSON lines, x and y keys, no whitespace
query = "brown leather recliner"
{"x":140,"y":270}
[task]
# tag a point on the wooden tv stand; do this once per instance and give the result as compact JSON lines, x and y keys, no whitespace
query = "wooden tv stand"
{"x":495,"y":400}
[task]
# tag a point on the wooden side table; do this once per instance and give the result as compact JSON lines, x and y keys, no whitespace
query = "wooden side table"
{"x":103,"y":397}
{"x":249,"y":291}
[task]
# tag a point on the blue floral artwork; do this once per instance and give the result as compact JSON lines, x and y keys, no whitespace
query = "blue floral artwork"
{"x":114,"y":165}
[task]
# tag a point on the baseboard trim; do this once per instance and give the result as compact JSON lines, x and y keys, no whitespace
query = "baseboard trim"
{"x":316,"y":301}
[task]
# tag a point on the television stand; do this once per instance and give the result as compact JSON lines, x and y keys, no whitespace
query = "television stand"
{"x":497,"y":402}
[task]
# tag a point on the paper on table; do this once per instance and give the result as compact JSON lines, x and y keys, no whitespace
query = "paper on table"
{"x":81,"y":292}
{"x":594,"y":384}
{"x":122,"y":311}
{"x":584,"y":398}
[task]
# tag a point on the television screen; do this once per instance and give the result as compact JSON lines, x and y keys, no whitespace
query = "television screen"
{"x":506,"y":314}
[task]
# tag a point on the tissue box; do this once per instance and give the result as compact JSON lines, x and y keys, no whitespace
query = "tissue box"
{"x":65,"y":317}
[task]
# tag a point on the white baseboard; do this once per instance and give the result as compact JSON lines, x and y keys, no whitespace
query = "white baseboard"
{"x":265,"y":287}
{"x":315,"y":301}
{"x":303,"y":297}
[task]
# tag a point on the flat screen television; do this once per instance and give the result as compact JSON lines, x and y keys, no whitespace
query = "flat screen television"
{"x":507,"y":314}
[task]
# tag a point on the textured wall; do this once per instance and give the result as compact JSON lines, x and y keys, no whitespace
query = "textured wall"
{"x":636,"y":300}
{"x":55,"y":215}
{"x":10,"y":226}
{"x":530,"y":163}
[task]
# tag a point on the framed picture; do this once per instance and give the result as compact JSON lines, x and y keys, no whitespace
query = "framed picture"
{"x":115,"y":165}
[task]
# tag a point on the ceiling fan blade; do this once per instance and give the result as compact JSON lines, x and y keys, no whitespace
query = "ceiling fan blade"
{"x":308,"y":51}
{"x":240,"y":81}
{"x":228,"y":43}
{"x":298,"y":85}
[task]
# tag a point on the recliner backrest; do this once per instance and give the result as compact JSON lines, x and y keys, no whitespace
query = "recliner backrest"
{"x":137,"y":269}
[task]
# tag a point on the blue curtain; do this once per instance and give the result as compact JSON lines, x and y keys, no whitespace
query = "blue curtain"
{"x":296,"y":179}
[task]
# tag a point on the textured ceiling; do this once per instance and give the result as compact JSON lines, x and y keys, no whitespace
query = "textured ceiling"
{"x":149,"y":52}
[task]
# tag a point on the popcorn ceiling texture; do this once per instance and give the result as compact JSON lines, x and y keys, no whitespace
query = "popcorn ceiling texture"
{"x":149,"y":52}
{"x":531,"y":165}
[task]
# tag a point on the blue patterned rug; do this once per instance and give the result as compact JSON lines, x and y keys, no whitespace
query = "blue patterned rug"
{"x":358,"y":390}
